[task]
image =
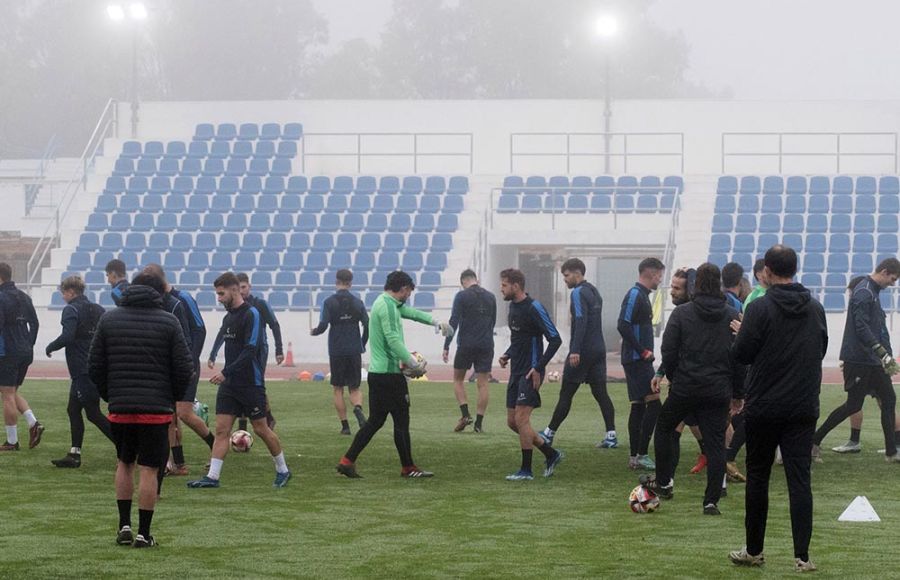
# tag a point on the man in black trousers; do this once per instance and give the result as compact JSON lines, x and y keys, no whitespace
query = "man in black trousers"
{"x":783,"y":336}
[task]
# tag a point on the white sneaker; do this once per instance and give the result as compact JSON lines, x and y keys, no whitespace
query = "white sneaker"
{"x":895,"y":458}
{"x":801,"y":566}
{"x":848,"y":447}
{"x":742,"y":558}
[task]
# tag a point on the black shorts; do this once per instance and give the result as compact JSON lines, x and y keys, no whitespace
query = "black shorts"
{"x":638,"y":375}
{"x":241,"y":402}
{"x":869,"y":379}
{"x":13,"y":370}
{"x":388,"y":392}
{"x":146,"y":444}
{"x":479,"y":358}
{"x":190,"y":395}
{"x":346,"y":371}
{"x":690,"y":420}
{"x":590,"y":370}
{"x":85,"y":391}
{"x":520,"y":393}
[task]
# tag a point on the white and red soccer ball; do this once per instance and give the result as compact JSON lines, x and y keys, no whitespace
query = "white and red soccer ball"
{"x":643,"y":500}
{"x":241,"y":441}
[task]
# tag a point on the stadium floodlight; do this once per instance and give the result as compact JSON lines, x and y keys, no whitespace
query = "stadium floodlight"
{"x":606,"y":26}
{"x":137,"y":11}
{"x":115,"y":12}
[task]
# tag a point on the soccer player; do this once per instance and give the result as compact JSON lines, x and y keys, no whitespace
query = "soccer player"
{"x":388,"y":389}
{"x":529,"y":324}
{"x":345,"y":313}
{"x":141,"y":364}
{"x":635,"y":326}
{"x":783,"y":337}
{"x":586,"y":362}
{"x":117,"y":278}
{"x":473,"y":317}
{"x":868,"y":359}
{"x":732,"y":274}
{"x":79,"y":321}
{"x":18,"y":333}
{"x":242,"y":390}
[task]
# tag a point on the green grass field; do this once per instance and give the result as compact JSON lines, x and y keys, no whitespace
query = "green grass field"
{"x":466,"y":522}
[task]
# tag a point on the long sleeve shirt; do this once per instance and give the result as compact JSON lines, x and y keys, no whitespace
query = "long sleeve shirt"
{"x":529,"y":324}
{"x":586,"y":310}
{"x":387,"y":348}
{"x":473,"y":317}
{"x":345,"y":314}
{"x":18,"y":322}
{"x":635,"y":323}
{"x":196,"y":326}
{"x":866,"y":325}
{"x":269,"y":319}
{"x":78,"y":323}
{"x":241,"y":330}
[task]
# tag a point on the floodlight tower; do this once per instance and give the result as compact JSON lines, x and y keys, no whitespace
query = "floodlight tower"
{"x":607,"y":29}
{"x":136,"y":13}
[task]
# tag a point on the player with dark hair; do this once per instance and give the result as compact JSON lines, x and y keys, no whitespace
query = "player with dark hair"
{"x":586,"y":362}
{"x":473,"y":317}
{"x":388,"y":389}
{"x":242,"y":389}
{"x":18,"y":333}
{"x":635,"y":326}
{"x":345,"y":312}
{"x":732,"y":274}
{"x":868,"y":359}
{"x":529,"y":323}
{"x":117,"y":278}
{"x":79,"y":321}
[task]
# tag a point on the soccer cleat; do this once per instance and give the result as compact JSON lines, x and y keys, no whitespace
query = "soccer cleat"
{"x":700,"y":465}
{"x":816,"y":454}
{"x":202,"y":483}
{"x":895,"y":458}
{"x":413,"y":472}
{"x":281,"y":479}
{"x":71,"y":460}
{"x":142,"y":542}
{"x":734,"y":474}
{"x":35,"y":432}
{"x":742,"y":558}
{"x":553,"y":462}
{"x":546,"y":436}
{"x":664,"y":492}
{"x":478,"y":429}
{"x":176,"y":470}
{"x":463,"y":423}
{"x":801,"y":566}
{"x":348,"y":471}
{"x":125,"y":537}
{"x":644,"y":462}
{"x":520,"y":475}
{"x":711,"y":509}
{"x":848,"y":447}
{"x":608,"y":443}
{"x":7,"y":446}
{"x":346,"y":431}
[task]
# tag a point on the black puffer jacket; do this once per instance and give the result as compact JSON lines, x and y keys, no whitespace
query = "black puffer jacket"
{"x":139,"y":359}
{"x":696,"y":350}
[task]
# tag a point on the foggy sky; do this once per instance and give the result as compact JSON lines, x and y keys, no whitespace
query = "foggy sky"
{"x":759,"y":49}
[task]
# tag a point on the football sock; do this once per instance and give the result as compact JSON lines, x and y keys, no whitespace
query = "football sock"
{"x":215,"y":468}
{"x":700,"y":443}
{"x":12,"y":435}
{"x":144,"y":519}
{"x":29,"y":416}
{"x":478,"y":420}
{"x":280,"y":463}
{"x":160,"y":475}
{"x":210,"y":439}
{"x":242,"y":424}
{"x":634,"y":426}
{"x":548,"y":451}
{"x":358,"y":413}
{"x":124,"y":512}
{"x":649,"y":424}
{"x":75,"y":450}
{"x":178,"y":454}
{"x":345,"y":424}
{"x":854,"y":435}
{"x":464,"y":409}
{"x":526,"y":459}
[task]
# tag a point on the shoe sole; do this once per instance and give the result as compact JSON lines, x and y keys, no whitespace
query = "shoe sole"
{"x":283,"y":483}
{"x":347,"y":473}
{"x":844,"y":451}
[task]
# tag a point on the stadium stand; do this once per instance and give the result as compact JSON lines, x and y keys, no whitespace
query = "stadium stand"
{"x":582,"y":194}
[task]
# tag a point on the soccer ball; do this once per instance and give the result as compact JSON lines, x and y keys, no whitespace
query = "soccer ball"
{"x":643,"y":500}
{"x":553,"y":376}
{"x":416,"y":373}
{"x":241,"y":441}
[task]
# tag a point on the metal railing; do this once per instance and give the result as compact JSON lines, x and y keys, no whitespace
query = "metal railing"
{"x":571,"y":152}
{"x":837,"y":143}
{"x":106,"y":126}
{"x":479,"y":259}
{"x":360,"y":152}
{"x":33,"y":189}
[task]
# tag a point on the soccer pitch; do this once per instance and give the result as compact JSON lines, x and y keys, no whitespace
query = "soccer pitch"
{"x":465,"y":522}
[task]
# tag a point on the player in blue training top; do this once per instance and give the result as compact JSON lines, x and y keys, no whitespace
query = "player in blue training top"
{"x":345,"y":312}
{"x":636,"y":329}
{"x":117,"y":278}
{"x":242,"y":389}
{"x":586,"y":362}
{"x":529,"y":324}
{"x":732,"y":274}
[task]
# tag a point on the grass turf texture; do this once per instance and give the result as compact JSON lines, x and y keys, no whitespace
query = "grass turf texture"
{"x":466,"y":522}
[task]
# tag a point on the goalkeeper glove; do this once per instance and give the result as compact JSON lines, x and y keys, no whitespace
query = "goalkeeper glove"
{"x":887,"y":361}
{"x":443,"y":329}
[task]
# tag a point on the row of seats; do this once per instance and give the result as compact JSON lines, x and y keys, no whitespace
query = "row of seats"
{"x":280,"y":167}
{"x":837,"y":263}
{"x":171,"y":166}
{"x":286,"y":203}
{"x":247,"y":131}
{"x":863,"y":243}
{"x":813,"y":223}
{"x":281,"y":222}
{"x":818,"y":185}
{"x":133,"y":151}
{"x":626,"y":184}
{"x":578,"y":203}
{"x":364,"y":185}
{"x":270,"y":242}
{"x":799,"y":204}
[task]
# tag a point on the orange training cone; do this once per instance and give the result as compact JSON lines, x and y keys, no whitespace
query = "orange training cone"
{"x":289,"y":357}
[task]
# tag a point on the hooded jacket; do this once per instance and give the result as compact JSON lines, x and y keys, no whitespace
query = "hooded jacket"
{"x":139,"y":358}
{"x":784,"y":337}
{"x":866,"y":326}
{"x":696,"y":350}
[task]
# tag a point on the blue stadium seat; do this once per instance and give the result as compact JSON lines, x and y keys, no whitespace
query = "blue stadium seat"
{"x":219,"y":204}
{"x":400,"y":223}
{"x":888,"y":224}
{"x":771,"y":204}
{"x":863,"y":223}
{"x":555,"y":203}
{"x":770,"y":223}
{"x":889,"y":185}
{"x":424,"y":300}
{"x":293,"y":131}
{"x":152,"y":203}
{"x":244,"y":203}
{"x":182,"y":186}
{"x":725,"y":204}
{"x":284,"y":222}
{"x":182,"y":241}
{"x":236,"y":167}
{"x":383,"y":204}
{"x":794,"y":241}
{"x":722,"y":223}
{"x":815,"y":243}
{"x":750,"y":185}
{"x":343,"y":185}
{"x":796,"y":184}
{"x":229,"y":242}
{"x":624,"y":203}
{"x":582,"y":185}
{"x":773,"y":185}
{"x":389,"y":260}
{"x":320,"y":185}
{"x":745,"y":260}
{"x":813,"y":263}
{"x":728,"y":185}
{"x":417,"y":242}
{"x":441,"y":242}
{"x":245,"y":261}
{"x":376,"y":222}
{"x":175,"y":150}
{"x":839,"y":243}
{"x":160,"y":185}
{"x":843,"y":185}
{"x":626,"y":185}
{"x":273,"y":185}
{"x":793,"y":223}
{"x":746,"y":203}
{"x":817,"y":223}
{"x":364,"y":261}
{"x":833,"y":302}
{"x":240,"y":150}
{"x":744,"y":243}
{"x":97,"y":222}
{"x":864,"y":243}
{"x":206,"y":242}
{"x":347,"y":242}
{"x":260,"y":168}
{"x":353,"y":222}
{"x":578,"y":204}
{"x":337,"y":203}
{"x":252,"y":242}
{"x":818,"y":204}
{"x":745,"y":224}
{"x":213,"y":222}
{"x":158,"y":242}
{"x":145,"y":167}
{"x":114,"y":185}
{"x":436,"y":262}
{"x":120,"y":222}
{"x":270,"y":131}
{"x":531,"y":203}
{"x":123,"y":167}
{"x":137,"y":186}
{"x":558,"y":184}
{"x":458,"y":185}
{"x":197,"y":150}
{"x":394,"y":242}
{"x":174,"y":261}
{"x":766,"y":241}
{"x":250,"y":185}
{"x":259,"y":222}
{"x":168,"y":168}
{"x":819,"y":185}
{"x":360,"y":204}
{"x":88,"y":242}
{"x":512,"y":184}
{"x":341,"y":259}
{"x":248,"y":132}
{"x":453,"y":203}
{"x":365,"y":185}
{"x":412,"y":185}
{"x":866,"y":185}
{"x":432,"y":203}
{"x":204,"y":132}
{"x":841,"y":204}
{"x":887,"y":243}
{"x":795,"y":204}
{"x":226,"y":132}
{"x":329,"y":222}
{"x":535,"y":185}
{"x":861,"y":264}
{"x":312,"y":203}
{"x":865,"y":204}
{"x":649,"y":185}
{"x":191,"y":168}
{"x":889,"y":204}
{"x":423,"y":223}
{"x":447,"y":223}
{"x":887,"y":300}
{"x":198,"y":261}
{"x":187,"y":222}
{"x":720,"y":244}
{"x":286,"y":279}
{"x":838,"y":263}
{"x":435,"y":185}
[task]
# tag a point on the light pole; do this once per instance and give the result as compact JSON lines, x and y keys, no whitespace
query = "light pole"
{"x":136,"y":13}
{"x":606,"y":28}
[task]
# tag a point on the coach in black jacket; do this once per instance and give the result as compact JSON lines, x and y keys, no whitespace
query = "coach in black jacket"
{"x":705,"y":379}
{"x":141,"y":365}
{"x":784,"y":337}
